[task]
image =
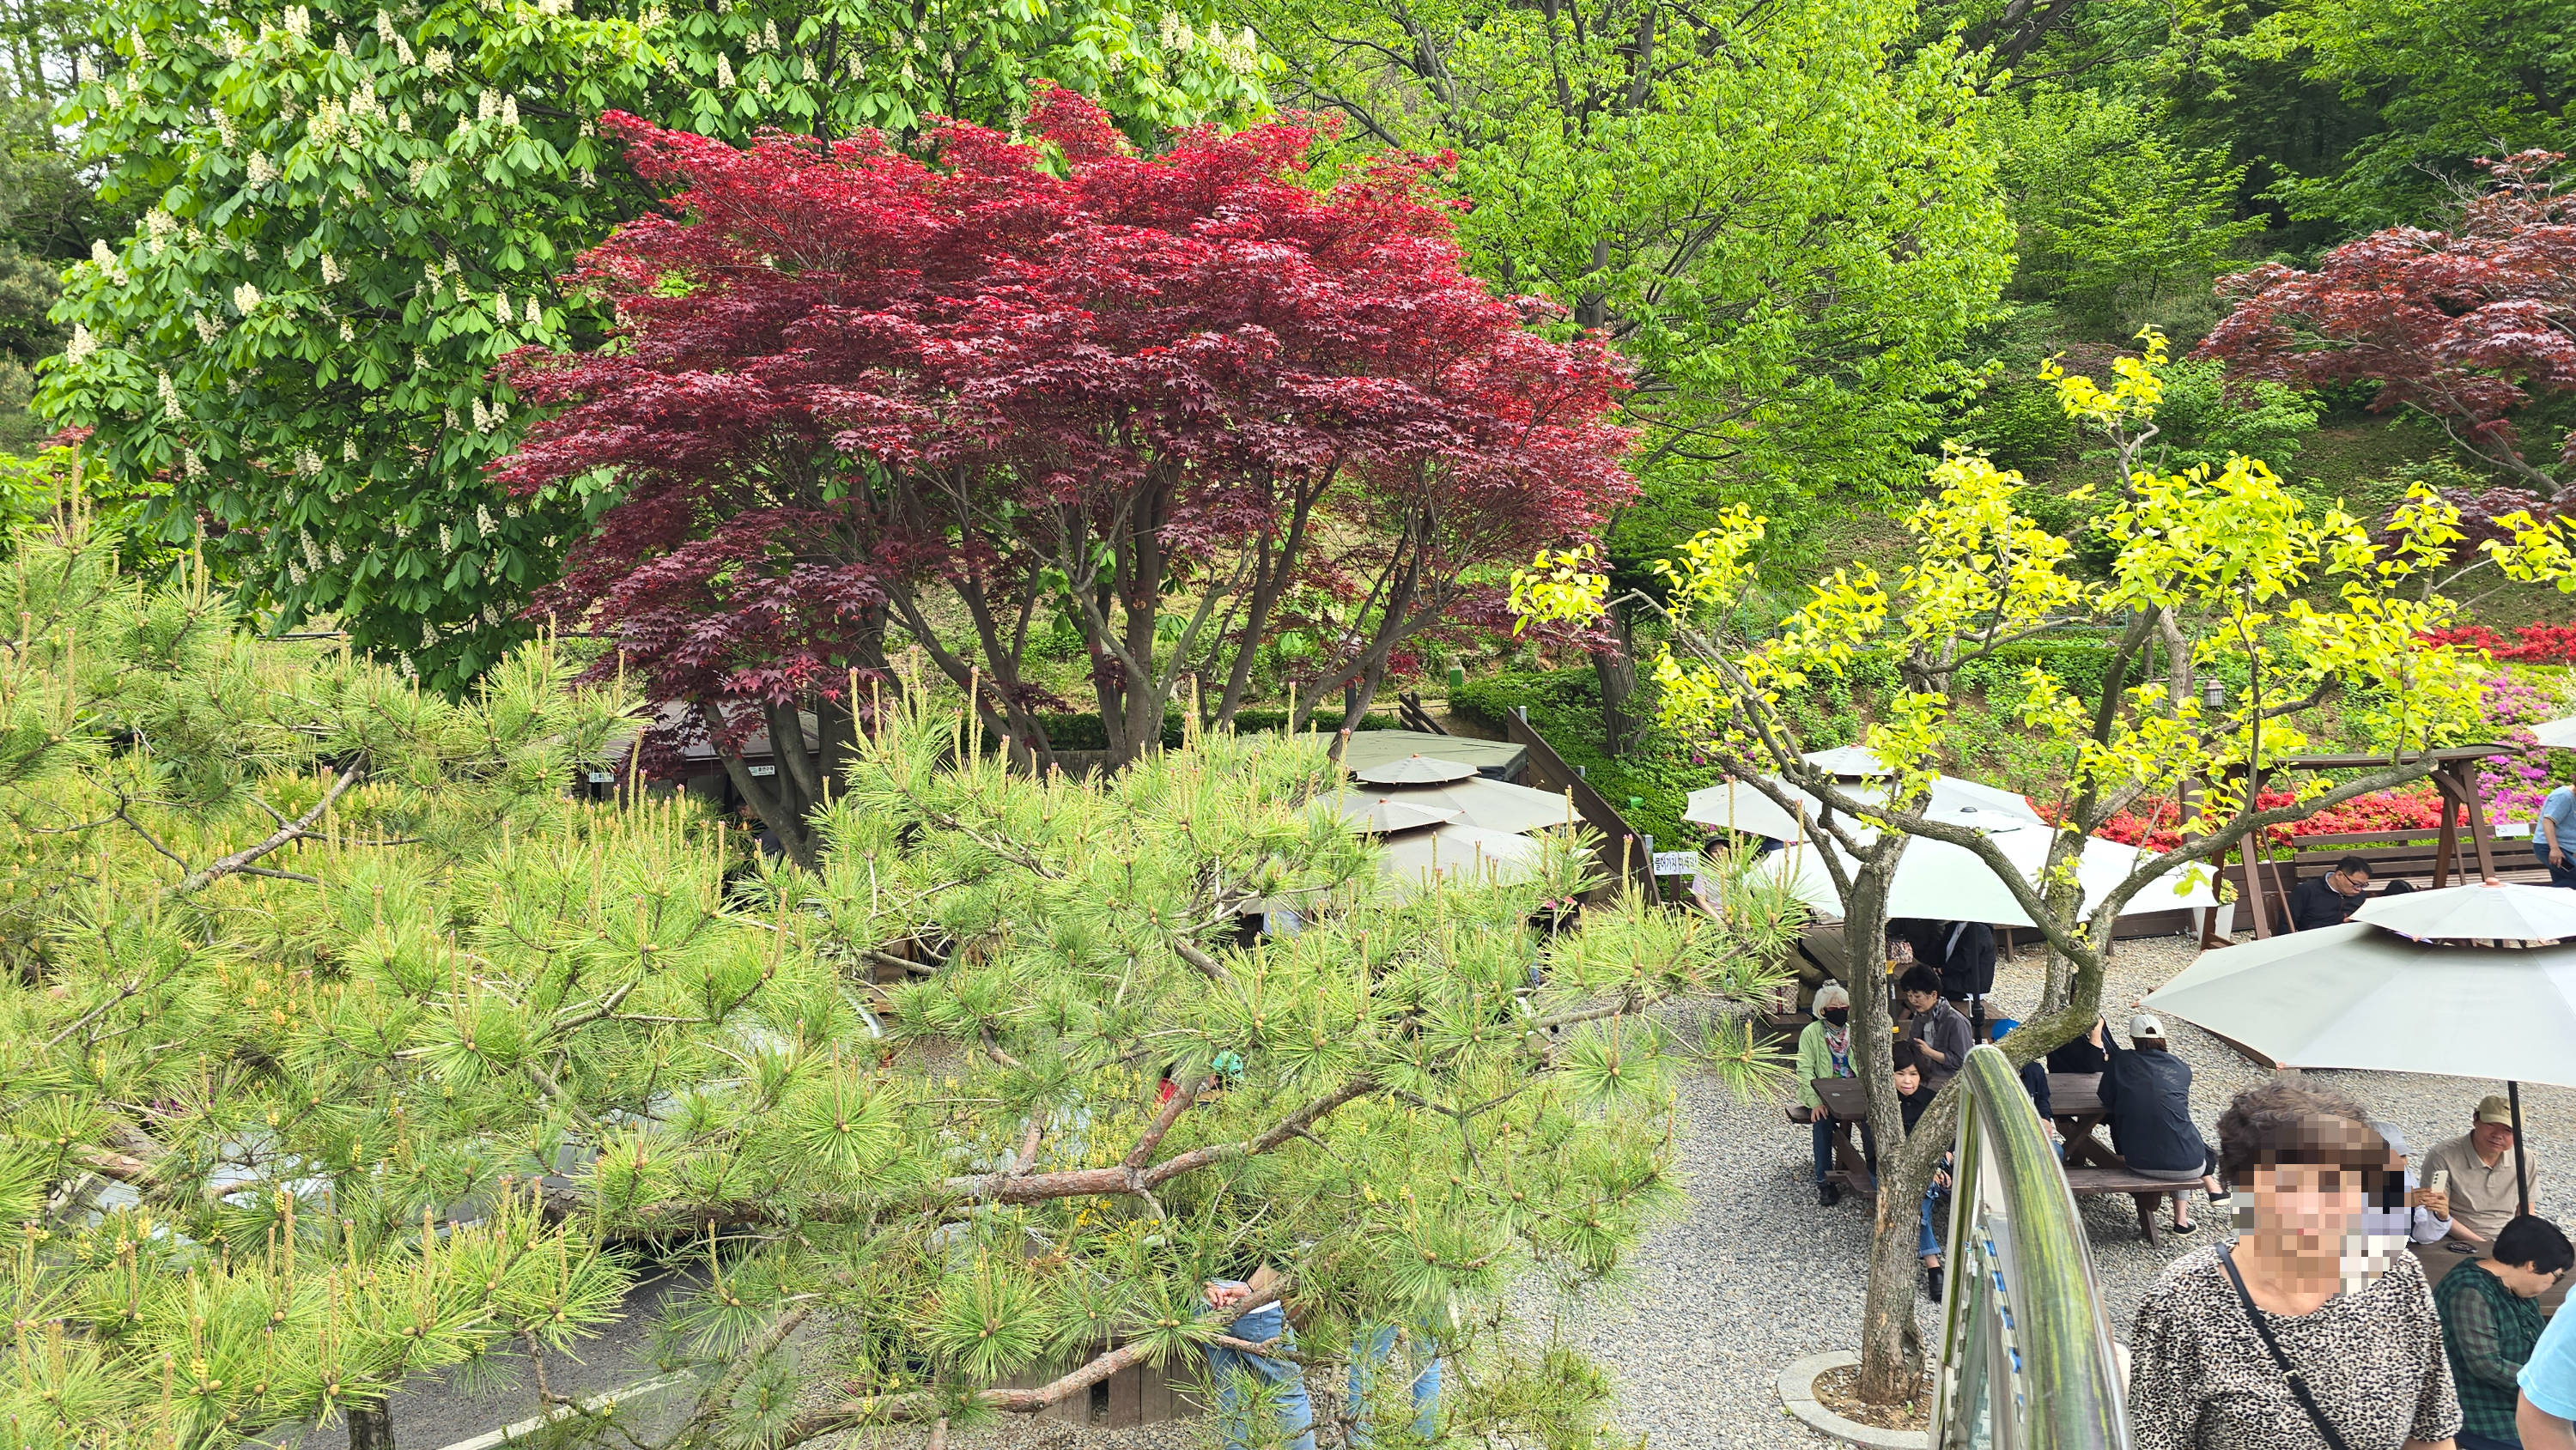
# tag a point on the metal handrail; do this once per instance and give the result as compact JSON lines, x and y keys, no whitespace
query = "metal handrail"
{"x":2027,"y":1359}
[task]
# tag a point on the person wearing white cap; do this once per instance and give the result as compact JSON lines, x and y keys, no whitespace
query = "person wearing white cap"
{"x":2146,"y":1094}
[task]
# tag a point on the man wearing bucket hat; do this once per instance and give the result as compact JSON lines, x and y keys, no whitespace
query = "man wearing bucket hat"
{"x":2479,"y":1165}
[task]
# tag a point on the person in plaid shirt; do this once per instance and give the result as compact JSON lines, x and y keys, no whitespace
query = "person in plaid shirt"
{"x":2490,"y":1321}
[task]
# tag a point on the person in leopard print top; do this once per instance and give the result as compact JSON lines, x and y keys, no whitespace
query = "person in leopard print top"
{"x":2353,"y":1316}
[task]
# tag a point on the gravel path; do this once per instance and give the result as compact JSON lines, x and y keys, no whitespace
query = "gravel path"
{"x":1757,"y":1275}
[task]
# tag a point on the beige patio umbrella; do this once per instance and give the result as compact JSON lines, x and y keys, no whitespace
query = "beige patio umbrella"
{"x":2361,"y":997}
{"x":1415,"y":770}
{"x":2503,"y":911}
{"x":1384,"y":817}
{"x":1492,"y":805}
{"x":1460,"y":853}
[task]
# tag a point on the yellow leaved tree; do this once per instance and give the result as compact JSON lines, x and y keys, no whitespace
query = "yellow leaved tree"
{"x":2313,"y":615}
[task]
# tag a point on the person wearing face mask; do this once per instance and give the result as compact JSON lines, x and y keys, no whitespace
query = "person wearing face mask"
{"x":1825,"y":1050}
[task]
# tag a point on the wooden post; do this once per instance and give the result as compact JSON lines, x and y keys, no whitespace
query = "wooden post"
{"x":2252,"y":891}
{"x":2475,"y":797}
{"x":2446,"y":849}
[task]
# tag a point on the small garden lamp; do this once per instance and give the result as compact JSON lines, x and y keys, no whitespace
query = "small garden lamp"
{"x":2213,"y":694}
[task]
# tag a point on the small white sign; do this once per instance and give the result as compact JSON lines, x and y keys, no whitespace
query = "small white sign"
{"x":760,"y":770}
{"x":601,"y":777}
{"x":1676,"y":863}
{"x":2513,"y":830}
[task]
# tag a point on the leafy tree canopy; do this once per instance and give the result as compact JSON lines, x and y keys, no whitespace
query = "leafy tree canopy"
{"x":2451,"y":81}
{"x":1046,"y":377}
{"x":350,"y":213}
{"x":339,"y":1044}
{"x":2115,"y":219}
{"x":2218,"y":570}
{"x":2466,"y":326}
{"x":1784,"y":231}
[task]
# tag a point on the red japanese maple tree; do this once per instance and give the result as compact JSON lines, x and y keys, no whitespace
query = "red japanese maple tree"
{"x":1043,"y":374}
{"x":2464,"y":326}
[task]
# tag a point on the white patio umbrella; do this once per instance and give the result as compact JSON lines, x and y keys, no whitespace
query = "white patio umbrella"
{"x":1386,"y":817}
{"x":2360,"y":997}
{"x":2506,"y":911}
{"x":2558,"y":734}
{"x":1848,"y":760}
{"x":1852,"y":761}
{"x":1460,"y":853}
{"x":1736,"y":805}
{"x":1416,"y":770}
{"x":1941,"y":882}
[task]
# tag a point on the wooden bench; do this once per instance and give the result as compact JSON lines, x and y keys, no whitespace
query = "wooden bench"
{"x":2148,"y":1189}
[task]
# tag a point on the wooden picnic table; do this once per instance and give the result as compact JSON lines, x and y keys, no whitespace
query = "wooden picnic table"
{"x":1842,"y":1099}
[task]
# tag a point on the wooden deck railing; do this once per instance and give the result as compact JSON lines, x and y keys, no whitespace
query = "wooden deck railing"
{"x":1624,"y":855}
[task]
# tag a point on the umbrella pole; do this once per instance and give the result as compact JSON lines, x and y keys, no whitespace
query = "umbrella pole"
{"x":2521,"y":1171}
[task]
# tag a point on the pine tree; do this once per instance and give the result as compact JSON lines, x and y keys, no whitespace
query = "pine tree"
{"x":339,"y":1044}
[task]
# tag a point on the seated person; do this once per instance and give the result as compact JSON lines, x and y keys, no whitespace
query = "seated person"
{"x":2550,"y":835}
{"x":2034,"y":1076}
{"x":2484,"y":1196}
{"x":2146,"y":1094}
{"x":1824,"y":1050}
{"x":1913,"y":1092}
{"x":2426,"y":1217}
{"x":1940,"y":1035}
{"x":2491,"y":1323}
{"x":1913,"y":1095}
{"x":2331,"y":899}
{"x":2080,"y":1057}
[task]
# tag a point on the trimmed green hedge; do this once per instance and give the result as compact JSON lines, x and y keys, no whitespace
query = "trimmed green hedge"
{"x":2078,"y":664}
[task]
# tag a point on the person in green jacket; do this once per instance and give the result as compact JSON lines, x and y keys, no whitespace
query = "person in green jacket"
{"x":2490,"y":1322}
{"x":1825,"y":1050}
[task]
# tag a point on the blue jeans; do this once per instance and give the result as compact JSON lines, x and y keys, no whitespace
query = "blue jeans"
{"x":2558,"y":875}
{"x":1375,"y":1348}
{"x":1926,"y":1241}
{"x":1230,"y":1368}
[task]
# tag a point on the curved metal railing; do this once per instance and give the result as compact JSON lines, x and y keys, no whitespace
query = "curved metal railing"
{"x":2026,"y":1349}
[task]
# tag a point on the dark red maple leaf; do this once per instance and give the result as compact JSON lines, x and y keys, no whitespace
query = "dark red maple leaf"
{"x":1045,"y":376}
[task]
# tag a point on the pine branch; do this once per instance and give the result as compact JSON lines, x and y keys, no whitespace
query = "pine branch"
{"x":900,"y":1409}
{"x":1207,"y":965}
{"x":721,"y":1393}
{"x":301,"y":826}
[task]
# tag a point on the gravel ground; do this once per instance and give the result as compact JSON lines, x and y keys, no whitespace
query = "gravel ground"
{"x":1757,"y":1275}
